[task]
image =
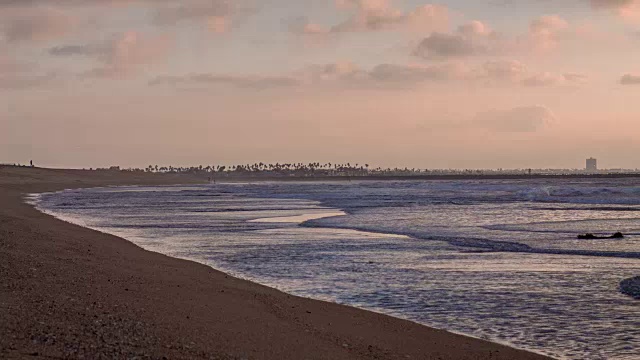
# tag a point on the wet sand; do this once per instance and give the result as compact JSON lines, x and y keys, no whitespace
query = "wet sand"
{"x":71,"y":292}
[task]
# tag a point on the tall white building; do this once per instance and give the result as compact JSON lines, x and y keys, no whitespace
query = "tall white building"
{"x":592,"y":165}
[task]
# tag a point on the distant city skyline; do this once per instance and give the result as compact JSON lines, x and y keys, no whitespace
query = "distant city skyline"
{"x":333,"y":168}
{"x":398,"y":83}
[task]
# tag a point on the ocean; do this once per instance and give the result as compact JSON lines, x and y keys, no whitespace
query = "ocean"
{"x":494,"y":259}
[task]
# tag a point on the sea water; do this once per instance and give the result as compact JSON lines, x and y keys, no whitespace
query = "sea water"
{"x":495,"y":259}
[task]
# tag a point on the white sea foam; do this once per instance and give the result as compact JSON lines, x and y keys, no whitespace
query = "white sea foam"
{"x":299,"y":219}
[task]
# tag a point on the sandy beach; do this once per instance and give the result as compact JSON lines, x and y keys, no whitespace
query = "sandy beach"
{"x":71,"y":292}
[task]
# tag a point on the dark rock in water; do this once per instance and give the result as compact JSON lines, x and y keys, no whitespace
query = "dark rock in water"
{"x":587,"y":236}
{"x":590,"y":236}
{"x":631,"y":287}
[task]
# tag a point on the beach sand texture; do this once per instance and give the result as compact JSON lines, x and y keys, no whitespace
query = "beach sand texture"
{"x":71,"y":292}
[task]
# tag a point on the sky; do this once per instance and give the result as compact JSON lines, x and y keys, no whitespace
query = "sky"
{"x":406,"y":83}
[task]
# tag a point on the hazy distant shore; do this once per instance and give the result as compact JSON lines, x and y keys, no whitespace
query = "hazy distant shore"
{"x":423,"y":177}
{"x":71,"y":292}
{"x":200,"y":174}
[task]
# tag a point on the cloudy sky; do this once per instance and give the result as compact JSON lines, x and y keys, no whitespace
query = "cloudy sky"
{"x":453,"y":84}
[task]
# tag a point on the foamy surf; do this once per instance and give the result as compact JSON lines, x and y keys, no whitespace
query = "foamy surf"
{"x":299,"y":219}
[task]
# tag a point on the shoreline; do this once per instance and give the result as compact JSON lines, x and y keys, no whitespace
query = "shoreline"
{"x":496,"y":341}
{"x":72,"y":292}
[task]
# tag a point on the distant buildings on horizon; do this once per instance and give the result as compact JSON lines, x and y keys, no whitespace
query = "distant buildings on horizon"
{"x":592,"y":165}
{"x":330,"y":169}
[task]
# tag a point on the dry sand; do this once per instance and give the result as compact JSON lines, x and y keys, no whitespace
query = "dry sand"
{"x":71,"y":292}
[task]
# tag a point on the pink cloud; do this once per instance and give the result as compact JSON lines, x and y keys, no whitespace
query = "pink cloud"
{"x":131,"y":51}
{"x":43,"y":19}
{"x":514,"y":72}
{"x":546,"y":30}
{"x":341,"y":74}
{"x":383,"y":76}
{"x":378,"y":15}
{"x":219,"y":24}
{"x":254,"y":82}
{"x":34,"y":24}
{"x":476,"y":38}
{"x":472,"y":38}
{"x":123,"y":55}
{"x":551,"y":79}
{"x":626,"y":9}
{"x":217,"y":15}
{"x":504,"y":70}
{"x":475,"y":28}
